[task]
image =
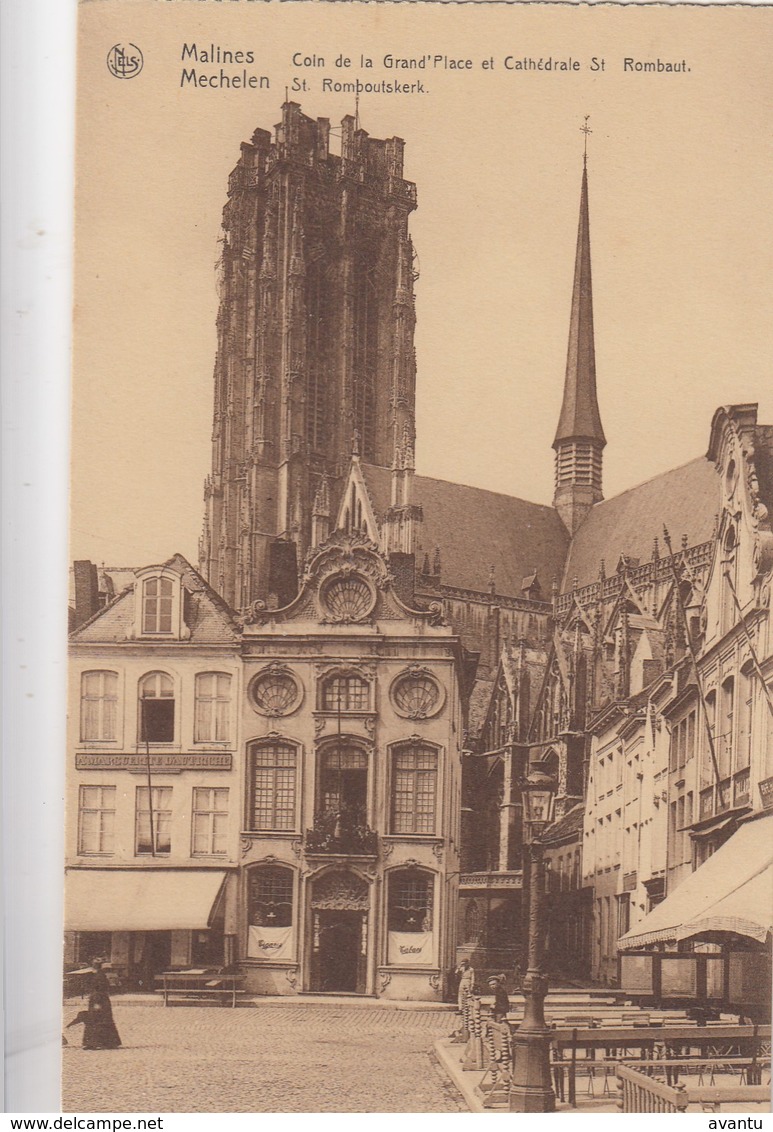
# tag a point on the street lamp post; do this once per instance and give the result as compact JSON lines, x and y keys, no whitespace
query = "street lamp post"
{"x":531,"y":1089}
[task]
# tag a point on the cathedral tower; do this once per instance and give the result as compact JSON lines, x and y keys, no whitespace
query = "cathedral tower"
{"x":580,"y":439}
{"x":315,"y":342}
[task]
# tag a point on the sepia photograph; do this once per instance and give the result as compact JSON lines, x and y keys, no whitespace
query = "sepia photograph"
{"x":420,"y":711}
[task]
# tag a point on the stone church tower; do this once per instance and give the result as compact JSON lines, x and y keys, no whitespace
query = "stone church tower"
{"x":579,"y":440}
{"x":315,"y":343}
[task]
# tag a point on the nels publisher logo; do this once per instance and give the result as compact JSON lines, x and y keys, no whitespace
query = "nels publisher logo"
{"x":124,"y":60}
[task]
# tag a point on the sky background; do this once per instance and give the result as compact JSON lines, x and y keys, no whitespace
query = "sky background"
{"x":681,"y":234}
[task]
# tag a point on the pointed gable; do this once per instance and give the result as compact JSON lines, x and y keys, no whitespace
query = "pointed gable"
{"x":355,"y":510}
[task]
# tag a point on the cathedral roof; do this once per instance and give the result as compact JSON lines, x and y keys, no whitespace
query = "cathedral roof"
{"x":476,"y":529}
{"x":684,"y":499}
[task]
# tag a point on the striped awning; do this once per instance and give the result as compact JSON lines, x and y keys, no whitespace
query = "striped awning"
{"x":747,"y":911}
{"x":731,"y":892}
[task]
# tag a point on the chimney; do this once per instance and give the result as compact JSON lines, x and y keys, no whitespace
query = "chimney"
{"x":86,"y":591}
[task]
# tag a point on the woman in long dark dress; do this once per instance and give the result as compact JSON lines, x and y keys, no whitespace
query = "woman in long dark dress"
{"x":99,"y":1029}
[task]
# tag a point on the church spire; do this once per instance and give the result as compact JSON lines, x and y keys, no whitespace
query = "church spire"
{"x":580,"y":439}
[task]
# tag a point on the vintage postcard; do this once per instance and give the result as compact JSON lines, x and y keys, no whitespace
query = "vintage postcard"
{"x":420,"y":750}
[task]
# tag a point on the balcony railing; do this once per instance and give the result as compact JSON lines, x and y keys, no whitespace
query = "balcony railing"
{"x":344,"y":832}
{"x":735,"y":791}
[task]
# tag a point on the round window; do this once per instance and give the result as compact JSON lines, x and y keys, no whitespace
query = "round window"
{"x":275,"y":691}
{"x":416,"y":695}
{"x":347,"y":598}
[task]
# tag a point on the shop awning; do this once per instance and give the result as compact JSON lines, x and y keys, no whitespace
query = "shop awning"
{"x":726,"y":888}
{"x":748,"y":911}
{"x":128,"y":900}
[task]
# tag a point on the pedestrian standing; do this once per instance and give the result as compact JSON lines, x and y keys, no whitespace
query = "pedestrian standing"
{"x":501,"y":1006}
{"x":466,"y":982}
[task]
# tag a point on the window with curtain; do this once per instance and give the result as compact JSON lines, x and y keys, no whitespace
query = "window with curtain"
{"x":210,"y":821}
{"x":99,"y":706}
{"x":273,"y":793}
{"x":414,"y":789}
{"x":410,"y":901}
{"x":157,"y":816}
{"x":213,"y":707}
{"x":270,"y":897}
{"x":96,"y":820}
{"x":156,"y":708}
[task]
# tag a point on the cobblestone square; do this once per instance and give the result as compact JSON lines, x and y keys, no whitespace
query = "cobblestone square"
{"x":273,"y":1058}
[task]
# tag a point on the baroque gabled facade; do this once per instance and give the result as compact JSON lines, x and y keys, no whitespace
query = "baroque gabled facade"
{"x":360,"y":695}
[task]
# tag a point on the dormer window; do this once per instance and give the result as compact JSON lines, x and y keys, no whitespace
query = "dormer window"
{"x":159,"y":604}
{"x":157,"y":596}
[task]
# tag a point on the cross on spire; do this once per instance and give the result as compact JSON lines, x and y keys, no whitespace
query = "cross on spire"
{"x":585,"y":129}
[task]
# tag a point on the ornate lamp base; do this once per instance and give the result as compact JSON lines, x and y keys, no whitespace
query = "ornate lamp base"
{"x":531,"y":1089}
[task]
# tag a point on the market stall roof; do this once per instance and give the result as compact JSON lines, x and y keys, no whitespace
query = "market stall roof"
{"x":129,"y":900}
{"x":726,"y":889}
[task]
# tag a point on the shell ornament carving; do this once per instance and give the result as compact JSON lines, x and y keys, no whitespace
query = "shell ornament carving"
{"x":347,"y":599}
{"x":275,"y":691}
{"x":416,"y":695}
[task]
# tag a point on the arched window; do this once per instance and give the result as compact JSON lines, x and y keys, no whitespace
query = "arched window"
{"x":157,"y":596}
{"x":473,"y":923}
{"x":156,"y":708}
{"x":343,"y":782}
{"x":345,"y":692}
{"x":414,"y":789}
{"x":708,"y":723}
{"x":729,"y":580}
{"x":726,"y":734}
{"x":213,"y":707}
{"x":273,"y":786}
{"x":410,"y":901}
{"x":99,"y":703}
{"x":270,"y":897}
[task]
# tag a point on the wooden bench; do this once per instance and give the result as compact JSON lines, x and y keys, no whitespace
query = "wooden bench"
{"x":200,"y":984}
